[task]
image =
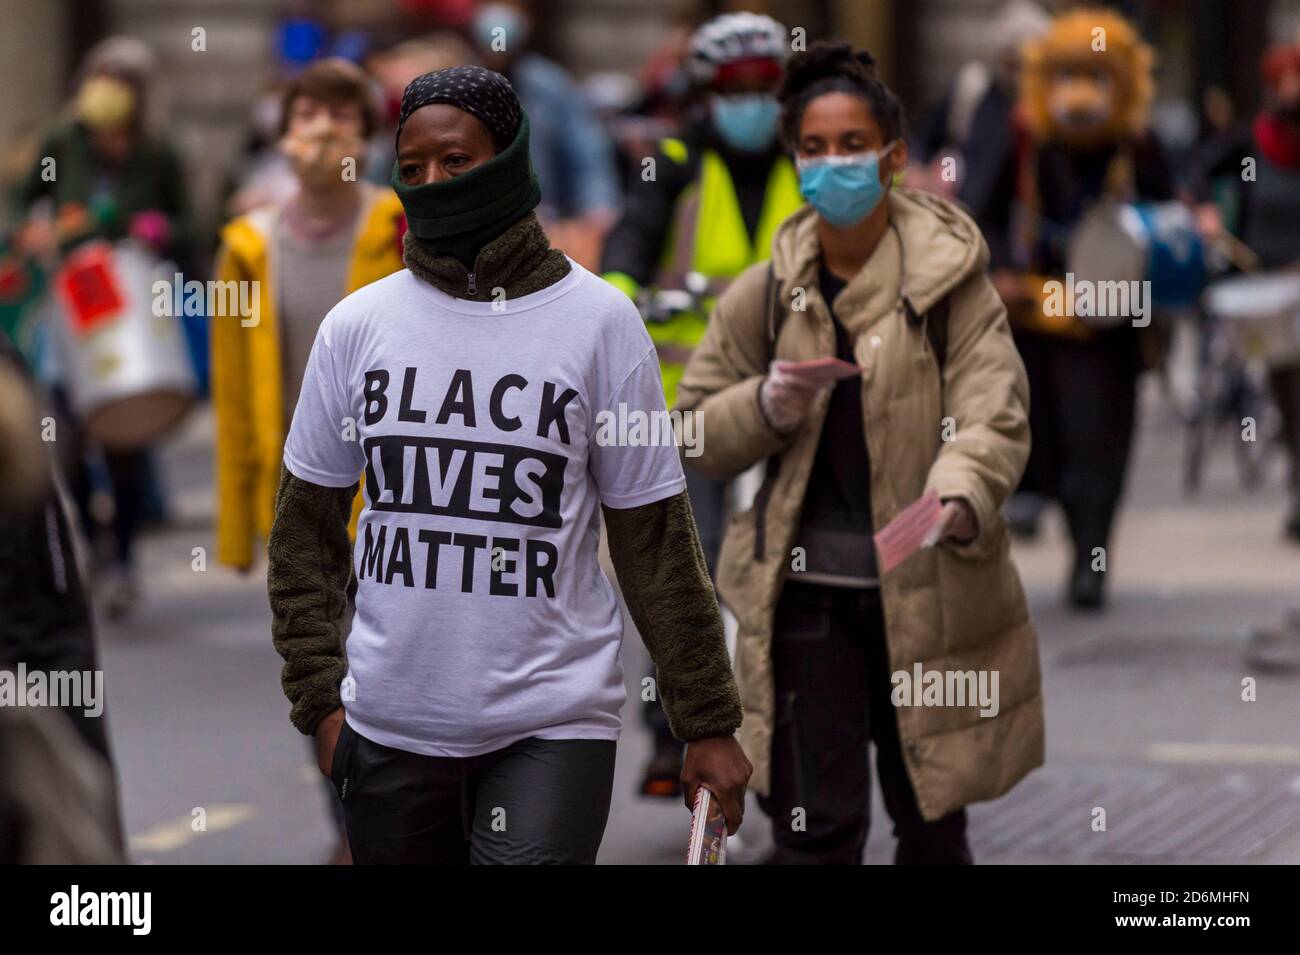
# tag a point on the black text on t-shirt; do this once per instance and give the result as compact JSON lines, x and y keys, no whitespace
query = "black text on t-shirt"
{"x":489,"y":481}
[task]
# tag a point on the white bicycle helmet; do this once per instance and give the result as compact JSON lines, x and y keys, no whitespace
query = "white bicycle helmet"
{"x":732,"y":38}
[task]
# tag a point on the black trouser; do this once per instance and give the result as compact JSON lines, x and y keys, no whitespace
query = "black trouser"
{"x":1082,"y":410}
{"x":129,"y":474}
{"x":1284,"y":380}
{"x":832,"y":700}
{"x":533,"y":802}
{"x":128,"y":471}
{"x":708,"y":505}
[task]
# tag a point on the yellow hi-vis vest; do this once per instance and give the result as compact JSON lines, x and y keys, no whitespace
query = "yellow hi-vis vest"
{"x":708,"y":236}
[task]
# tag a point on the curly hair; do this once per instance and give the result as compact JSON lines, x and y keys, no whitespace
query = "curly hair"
{"x":836,"y":68}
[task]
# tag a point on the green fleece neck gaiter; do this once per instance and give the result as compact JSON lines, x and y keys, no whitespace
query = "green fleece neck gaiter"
{"x":461,"y":215}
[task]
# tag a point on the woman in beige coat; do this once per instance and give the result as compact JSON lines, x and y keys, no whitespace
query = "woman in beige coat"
{"x":936,"y":660}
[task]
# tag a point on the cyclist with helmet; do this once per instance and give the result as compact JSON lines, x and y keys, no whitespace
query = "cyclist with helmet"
{"x":713,"y":197}
{"x":709,"y":204}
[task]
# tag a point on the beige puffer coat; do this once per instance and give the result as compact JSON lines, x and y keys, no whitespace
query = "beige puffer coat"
{"x":953,"y":607}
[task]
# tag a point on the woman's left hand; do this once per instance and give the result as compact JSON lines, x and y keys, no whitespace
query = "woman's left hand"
{"x":956,"y":523}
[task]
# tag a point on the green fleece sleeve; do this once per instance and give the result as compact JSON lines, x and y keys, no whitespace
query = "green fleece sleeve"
{"x":660,"y":565}
{"x":310,"y":566}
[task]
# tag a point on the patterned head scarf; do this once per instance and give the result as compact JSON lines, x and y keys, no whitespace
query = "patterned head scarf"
{"x":486,"y":95}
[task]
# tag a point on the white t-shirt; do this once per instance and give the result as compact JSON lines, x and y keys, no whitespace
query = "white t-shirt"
{"x":483,"y":616}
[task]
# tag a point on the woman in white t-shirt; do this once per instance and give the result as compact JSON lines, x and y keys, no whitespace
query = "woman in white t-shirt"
{"x":490,"y":397}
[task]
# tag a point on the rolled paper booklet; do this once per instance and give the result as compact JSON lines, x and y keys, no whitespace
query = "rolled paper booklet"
{"x":708,"y":845}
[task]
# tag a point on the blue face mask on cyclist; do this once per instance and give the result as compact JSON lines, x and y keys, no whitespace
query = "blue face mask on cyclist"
{"x":747,"y":121}
{"x":843,"y":189}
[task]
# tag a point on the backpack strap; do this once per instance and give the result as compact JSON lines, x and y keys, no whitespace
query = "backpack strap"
{"x":935,"y":322}
{"x":936,"y":330}
{"x":776,"y":312}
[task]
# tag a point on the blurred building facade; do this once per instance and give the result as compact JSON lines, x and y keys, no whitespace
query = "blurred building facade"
{"x":209,"y":80}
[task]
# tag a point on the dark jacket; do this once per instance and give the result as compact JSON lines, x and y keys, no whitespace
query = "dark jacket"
{"x":1264,"y":207}
{"x":988,"y":181}
{"x":1070,"y":181}
{"x":636,"y":243}
{"x":150,"y":178}
{"x":46,"y":618}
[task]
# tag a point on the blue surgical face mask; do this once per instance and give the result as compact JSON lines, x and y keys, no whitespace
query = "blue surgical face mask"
{"x":843,"y":189}
{"x":746,"y":122}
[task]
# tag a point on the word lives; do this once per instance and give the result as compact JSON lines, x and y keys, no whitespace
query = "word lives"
{"x":467,"y":484}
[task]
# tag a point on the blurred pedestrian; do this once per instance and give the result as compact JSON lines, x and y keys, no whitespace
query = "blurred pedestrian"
{"x":893,"y":281}
{"x":103,"y":175}
{"x":974,"y":128}
{"x":335,"y":234}
{"x":58,"y":799}
{"x":1090,"y":145}
{"x":573,"y":155}
{"x":1266,"y":209}
{"x":717,"y":193}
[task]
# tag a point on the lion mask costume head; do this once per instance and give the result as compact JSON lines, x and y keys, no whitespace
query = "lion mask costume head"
{"x":1087,"y":81}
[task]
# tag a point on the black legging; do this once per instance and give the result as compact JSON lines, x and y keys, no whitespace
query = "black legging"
{"x":833,"y":688}
{"x":533,"y":802}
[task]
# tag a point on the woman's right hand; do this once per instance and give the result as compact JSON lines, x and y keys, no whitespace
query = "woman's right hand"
{"x":327,"y":737}
{"x":786,"y":396}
